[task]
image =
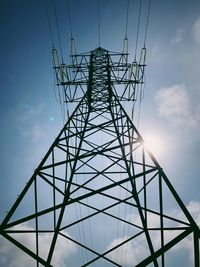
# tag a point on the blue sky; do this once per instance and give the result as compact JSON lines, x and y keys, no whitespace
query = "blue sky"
{"x":170,"y":113}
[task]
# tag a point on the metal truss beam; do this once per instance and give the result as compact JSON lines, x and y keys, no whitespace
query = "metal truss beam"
{"x":99,"y":177}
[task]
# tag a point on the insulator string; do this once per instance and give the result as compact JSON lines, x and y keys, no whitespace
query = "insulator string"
{"x":139,"y":108}
{"x":54,"y":88}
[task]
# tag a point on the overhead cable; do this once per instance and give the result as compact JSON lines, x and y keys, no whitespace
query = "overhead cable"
{"x":58,"y":30}
{"x":70,"y":18}
{"x":138,"y":28}
{"x":49,"y":24}
{"x":99,"y":24}
{"x":147,"y":23}
{"x":127,"y":15}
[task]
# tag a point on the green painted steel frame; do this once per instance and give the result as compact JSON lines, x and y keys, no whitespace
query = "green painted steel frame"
{"x":100,"y":100}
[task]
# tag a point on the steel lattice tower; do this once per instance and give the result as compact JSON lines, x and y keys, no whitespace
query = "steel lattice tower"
{"x":99,"y":190}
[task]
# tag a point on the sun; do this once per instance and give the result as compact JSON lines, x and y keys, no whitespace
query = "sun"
{"x":153,"y":143}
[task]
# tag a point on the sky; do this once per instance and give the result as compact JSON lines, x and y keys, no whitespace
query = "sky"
{"x":170,"y":112}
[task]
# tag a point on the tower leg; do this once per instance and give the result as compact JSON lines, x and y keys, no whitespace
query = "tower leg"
{"x":196,"y":250}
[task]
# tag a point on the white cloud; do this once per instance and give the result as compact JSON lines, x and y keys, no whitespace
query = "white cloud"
{"x":10,"y":256}
{"x":187,"y":244}
{"x":196,"y":31}
{"x":174,"y":104}
{"x":131,"y":253}
{"x":136,"y":250}
{"x":194,"y":208}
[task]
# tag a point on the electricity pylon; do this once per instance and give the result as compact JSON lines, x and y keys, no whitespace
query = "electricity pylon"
{"x":99,"y":194}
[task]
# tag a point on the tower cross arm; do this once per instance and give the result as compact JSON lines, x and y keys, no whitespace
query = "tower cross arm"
{"x":75,"y":77}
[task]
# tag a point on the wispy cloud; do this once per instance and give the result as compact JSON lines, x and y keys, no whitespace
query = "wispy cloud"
{"x":34,"y":132}
{"x":178,"y":36}
{"x":27,"y":121}
{"x":196,"y":31}
{"x":10,"y":256}
{"x":27,"y":111}
{"x":174,"y":104}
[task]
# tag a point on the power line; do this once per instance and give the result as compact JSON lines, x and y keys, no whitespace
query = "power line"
{"x":99,"y":23}
{"x":70,"y":18}
{"x":57,"y":27}
{"x":127,"y":16}
{"x":49,"y":24}
{"x":138,"y":28}
{"x":147,"y":23}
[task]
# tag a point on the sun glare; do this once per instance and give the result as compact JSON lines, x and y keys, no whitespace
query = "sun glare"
{"x":153,"y":143}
